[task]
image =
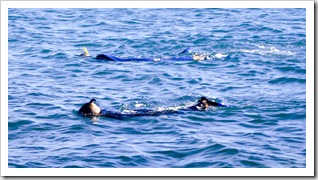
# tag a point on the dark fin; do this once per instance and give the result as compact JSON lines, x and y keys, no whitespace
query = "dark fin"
{"x":185,"y":51}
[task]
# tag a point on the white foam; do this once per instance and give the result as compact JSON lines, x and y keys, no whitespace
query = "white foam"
{"x":267,"y":51}
{"x":219,"y":55}
{"x":273,"y":49}
{"x":139,"y":105}
{"x":261,"y":46}
{"x":175,"y":108}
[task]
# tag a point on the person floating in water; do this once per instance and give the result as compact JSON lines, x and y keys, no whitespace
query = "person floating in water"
{"x":204,"y":103}
{"x":196,"y":57}
{"x":91,"y":109}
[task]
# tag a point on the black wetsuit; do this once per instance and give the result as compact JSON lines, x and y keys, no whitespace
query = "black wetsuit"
{"x":201,"y":105}
{"x":136,"y":112}
{"x":151,"y":112}
{"x":115,"y":58}
{"x":171,"y":58}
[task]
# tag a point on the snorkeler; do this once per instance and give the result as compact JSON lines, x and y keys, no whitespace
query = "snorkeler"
{"x":91,"y":109}
{"x":196,"y":57}
{"x":204,"y":103}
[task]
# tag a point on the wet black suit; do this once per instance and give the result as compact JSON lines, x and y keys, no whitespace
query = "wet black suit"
{"x":150,"y":112}
{"x":201,"y":105}
{"x":115,"y":58}
{"x":109,"y":57}
{"x":136,"y":112}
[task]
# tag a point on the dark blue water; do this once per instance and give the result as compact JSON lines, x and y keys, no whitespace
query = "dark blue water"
{"x":257,"y":68}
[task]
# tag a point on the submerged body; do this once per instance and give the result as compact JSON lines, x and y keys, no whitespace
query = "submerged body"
{"x":204,"y":103}
{"x":108,"y":57}
{"x":91,"y":109}
{"x":114,"y":58}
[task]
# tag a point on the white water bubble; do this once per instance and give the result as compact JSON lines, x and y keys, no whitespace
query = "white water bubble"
{"x":220,"y":55}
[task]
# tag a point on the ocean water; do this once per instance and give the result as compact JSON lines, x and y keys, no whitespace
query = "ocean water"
{"x":257,"y":68}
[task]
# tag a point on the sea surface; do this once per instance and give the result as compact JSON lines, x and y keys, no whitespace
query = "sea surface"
{"x":257,"y":67}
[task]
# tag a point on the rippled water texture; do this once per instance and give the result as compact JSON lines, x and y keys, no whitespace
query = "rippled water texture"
{"x":258,"y":69}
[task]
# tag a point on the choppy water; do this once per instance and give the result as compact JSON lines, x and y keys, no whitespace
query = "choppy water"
{"x":258,"y":69}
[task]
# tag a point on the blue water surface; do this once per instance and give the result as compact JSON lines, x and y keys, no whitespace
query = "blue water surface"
{"x":257,"y":68}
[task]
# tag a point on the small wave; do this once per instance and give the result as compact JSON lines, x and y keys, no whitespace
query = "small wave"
{"x":249,"y":163}
{"x":175,"y":108}
{"x":17,"y":124}
{"x":261,"y":46}
{"x":202,"y":164}
{"x":73,"y":166}
{"x":257,"y":134}
{"x":138,"y":105}
{"x":220,"y":55}
{"x":252,"y":126}
{"x":43,"y":127}
{"x":270,"y":29}
{"x":45,"y":51}
{"x":155,"y":80}
{"x":267,"y":51}
{"x":285,"y":80}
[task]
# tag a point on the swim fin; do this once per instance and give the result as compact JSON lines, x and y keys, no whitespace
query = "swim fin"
{"x":85,"y":51}
{"x":185,"y":51}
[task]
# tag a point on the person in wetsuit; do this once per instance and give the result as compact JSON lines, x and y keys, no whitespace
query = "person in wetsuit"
{"x":204,"y":103}
{"x":107,"y":57}
{"x":91,"y":109}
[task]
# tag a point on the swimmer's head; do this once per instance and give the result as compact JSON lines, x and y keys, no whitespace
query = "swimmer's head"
{"x":203,"y":99}
{"x":203,"y":103}
{"x":198,"y":57}
{"x":101,"y":56}
{"x":208,"y":102}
